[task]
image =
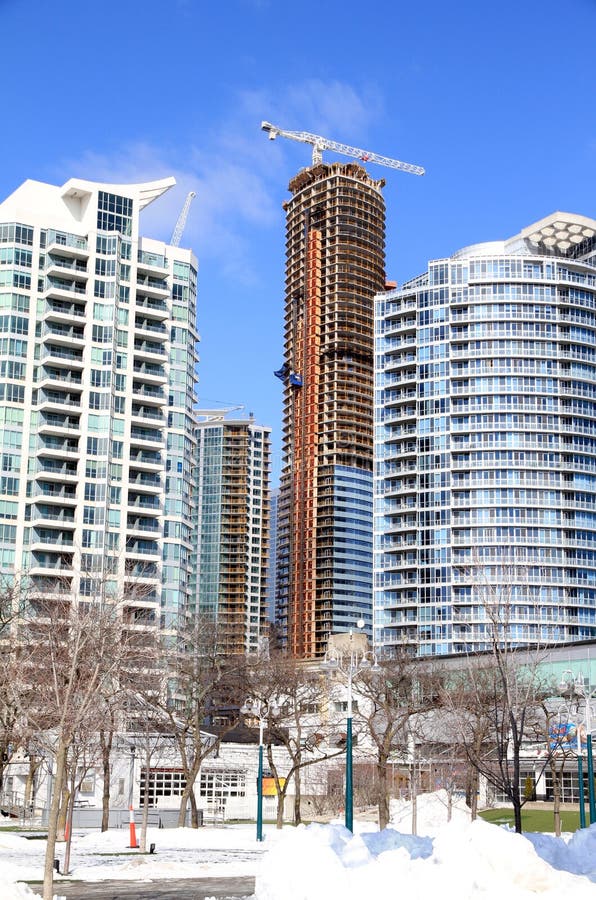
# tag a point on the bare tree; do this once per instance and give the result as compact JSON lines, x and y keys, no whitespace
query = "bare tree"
{"x":500,"y":699}
{"x":150,"y":734}
{"x":292,"y":695}
{"x":205,"y":694}
{"x":14,"y":727}
{"x":498,"y":710}
{"x":389,"y":700}
{"x":69,"y":651}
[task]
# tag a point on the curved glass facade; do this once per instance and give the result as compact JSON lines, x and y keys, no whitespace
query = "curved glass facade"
{"x":485,"y":446}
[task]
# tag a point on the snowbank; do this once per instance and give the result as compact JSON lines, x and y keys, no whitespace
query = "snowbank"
{"x":11,"y":891}
{"x":468,"y":860}
{"x":463,"y":859}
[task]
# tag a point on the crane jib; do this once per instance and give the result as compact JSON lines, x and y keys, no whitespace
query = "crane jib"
{"x":319,"y":144}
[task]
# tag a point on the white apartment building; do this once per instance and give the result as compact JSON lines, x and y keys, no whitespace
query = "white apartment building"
{"x":97,"y":366}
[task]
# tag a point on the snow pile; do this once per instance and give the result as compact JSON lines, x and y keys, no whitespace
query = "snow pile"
{"x":578,"y":854}
{"x":464,"y":859}
{"x":432,"y":811}
{"x":11,"y":891}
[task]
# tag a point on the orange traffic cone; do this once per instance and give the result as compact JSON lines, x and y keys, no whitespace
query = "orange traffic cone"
{"x":133,"y":834}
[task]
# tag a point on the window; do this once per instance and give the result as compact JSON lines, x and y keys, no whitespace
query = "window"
{"x":216,"y":786}
{"x":162,"y":783}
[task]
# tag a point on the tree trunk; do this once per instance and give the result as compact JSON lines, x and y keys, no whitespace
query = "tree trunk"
{"x":69,"y":818}
{"x":194,"y":812}
{"x":414,"y":796}
{"x":30,"y":784}
{"x":63,"y":815}
{"x":145,"y":816}
{"x":185,"y":799}
{"x":515,"y":793}
{"x":473,"y":782}
{"x":279,"y":818}
{"x":54,"y":812}
{"x":556,"y":797}
{"x":106,"y":749}
{"x":297,"y":798}
{"x":383,"y":792}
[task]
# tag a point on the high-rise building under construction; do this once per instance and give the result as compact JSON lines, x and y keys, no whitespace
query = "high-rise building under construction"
{"x":335,"y":263}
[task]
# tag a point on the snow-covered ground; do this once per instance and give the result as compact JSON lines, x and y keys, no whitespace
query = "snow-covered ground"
{"x":325,"y":862}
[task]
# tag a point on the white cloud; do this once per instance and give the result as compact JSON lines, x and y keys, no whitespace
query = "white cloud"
{"x":239,"y":177}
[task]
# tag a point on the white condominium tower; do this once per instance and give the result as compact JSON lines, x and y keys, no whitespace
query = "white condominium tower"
{"x":485,"y":446}
{"x":97,"y":358}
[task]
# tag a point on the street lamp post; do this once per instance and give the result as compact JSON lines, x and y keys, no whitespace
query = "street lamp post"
{"x":580,"y":779}
{"x":576,"y":689}
{"x":351,"y":662}
{"x":261,"y":710}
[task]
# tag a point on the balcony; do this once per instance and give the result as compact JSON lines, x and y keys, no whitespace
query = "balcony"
{"x":149,"y":371}
{"x":48,"y":375}
{"x":60,"y":310}
{"x":57,"y":354}
{"x":143,"y":549}
{"x":66,"y":244}
{"x":148,"y":414}
{"x":152,"y":287}
{"x":152,"y":460}
{"x":62,"y":289}
{"x":58,"y":424}
{"x":151,"y":436}
{"x":142,"y":502}
{"x":59,"y":470}
{"x":63,"y":334}
{"x":142,"y":525}
{"x":149,"y":348}
{"x":54,"y":514}
{"x":146,"y":480}
{"x":56,"y":492}
{"x":63,"y":267}
{"x":58,"y":399}
{"x":148,"y":394}
{"x":151,"y":263}
{"x":48,"y":444}
{"x":46,"y":539}
{"x":157,"y":309}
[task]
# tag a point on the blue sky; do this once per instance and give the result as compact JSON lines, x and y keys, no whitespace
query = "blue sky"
{"x":496,"y":101}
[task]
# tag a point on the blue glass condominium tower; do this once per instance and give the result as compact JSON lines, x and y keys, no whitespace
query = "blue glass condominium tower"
{"x":485,"y":446}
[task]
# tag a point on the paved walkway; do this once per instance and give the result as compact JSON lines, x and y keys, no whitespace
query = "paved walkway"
{"x":166,"y":889}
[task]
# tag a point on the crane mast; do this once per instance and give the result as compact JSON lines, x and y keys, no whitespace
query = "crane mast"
{"x":177,"y":234}
{"x":319,"y":144}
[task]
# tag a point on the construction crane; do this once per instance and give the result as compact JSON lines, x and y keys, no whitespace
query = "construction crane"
{"x":177,"y":234}
{"x":320,"y":143}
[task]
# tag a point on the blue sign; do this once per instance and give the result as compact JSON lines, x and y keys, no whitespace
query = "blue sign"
{"x":563,"y":737}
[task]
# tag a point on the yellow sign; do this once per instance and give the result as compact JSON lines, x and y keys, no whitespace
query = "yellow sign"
{"x":269,"y":789}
